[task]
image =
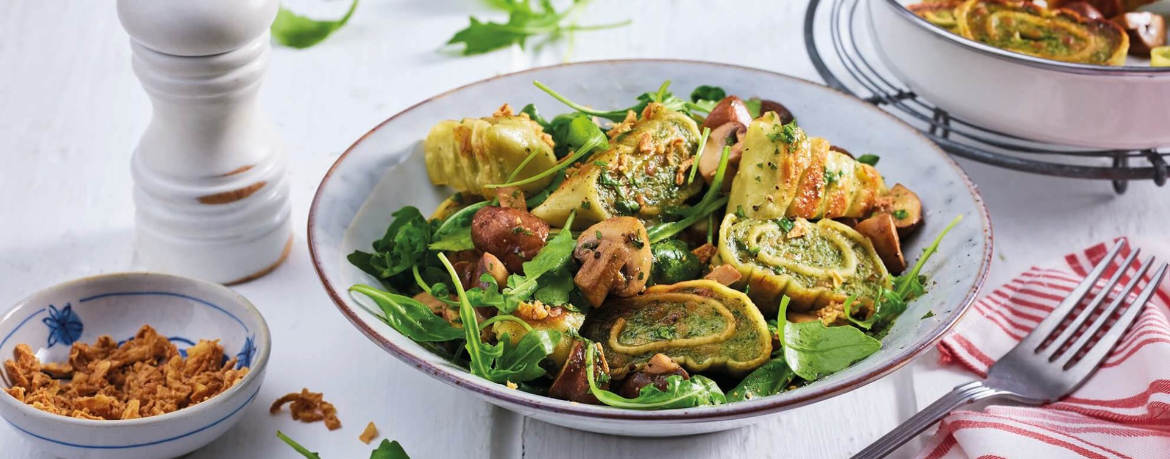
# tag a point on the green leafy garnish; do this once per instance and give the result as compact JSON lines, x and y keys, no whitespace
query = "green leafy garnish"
{"x":503,"y":362}
{"x":813,"y":350}
{"x":552,"y":258}
{"x":900,"y":214}
{"x":409,"y":316}
{"x":454,"y":234}
{"x":403,"y":246}
{"x":524,"y":21}
{"x":787,"y":133}
{"x":698,"y":155}
{"x":704,"y":98}
{"x":296,"y":31}
{"x":386,"y":450}
{"x":571,"y":131}
{"x":679,"y":393}
{"x":906,"y":287}
{"x":661,"y":96}
{"x":590,"y":145}
{"x":711,"y":202}
{"x":872,"y":160}
{"x":770,"y":379}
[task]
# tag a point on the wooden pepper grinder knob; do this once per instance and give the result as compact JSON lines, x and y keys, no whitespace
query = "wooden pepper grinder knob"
{"x":210,"y":179}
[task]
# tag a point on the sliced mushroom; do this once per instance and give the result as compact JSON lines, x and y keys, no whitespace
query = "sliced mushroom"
{"x":729,"y":110}
{"x":657,"y":370}
{"x":1146,"y":31}
{"x":572,"y":384}
{"x":782,"y":111}
{"x":724,"y":274}
{"x":615,"y":257}
{"x":727,"y":135}
{"x":881,"y":231}
{"x":489,"y":264}
{"x":511,"y":235}
{"x":906,"y":209}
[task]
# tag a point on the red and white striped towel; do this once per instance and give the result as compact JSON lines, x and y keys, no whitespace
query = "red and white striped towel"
{"x":1123,"y":411}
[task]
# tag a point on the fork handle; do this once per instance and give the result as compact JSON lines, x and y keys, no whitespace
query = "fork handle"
{"x":957,"y":397}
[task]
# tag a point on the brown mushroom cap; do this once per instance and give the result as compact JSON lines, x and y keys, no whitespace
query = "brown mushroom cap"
{"x":1146,"y":31}
{"x":883,"y":234}
{"x":729,"y":134}
{"x":782,"y":112}
{"x":511,"y":235}
{"x":729,"y":110}
{"x":571,"y":382}
{"x":615,"y":257}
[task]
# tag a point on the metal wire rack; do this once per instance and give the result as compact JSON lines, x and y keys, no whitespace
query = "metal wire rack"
{"x":850,"y":54}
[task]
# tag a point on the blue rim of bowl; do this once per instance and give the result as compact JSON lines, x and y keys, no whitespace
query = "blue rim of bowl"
{"x":760,"y":406}
{"x":258,"y":365}
{"x":1031,"y":61}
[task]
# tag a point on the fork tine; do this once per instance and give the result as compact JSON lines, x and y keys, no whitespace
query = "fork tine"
{"x":1106,"y":343}
{"x":1049,"y":324}
{"x":1049,"y":352}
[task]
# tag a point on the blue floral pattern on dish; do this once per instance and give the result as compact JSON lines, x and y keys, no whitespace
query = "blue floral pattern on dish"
{"x":244,"y":357}
{"x":64,"y":326}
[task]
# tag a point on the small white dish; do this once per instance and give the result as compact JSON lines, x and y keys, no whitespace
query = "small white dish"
{"x":1080,"y":105}
{"x":384,"y":170}
{"x":185,"y":310}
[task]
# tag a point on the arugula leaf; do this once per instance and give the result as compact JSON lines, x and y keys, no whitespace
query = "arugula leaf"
{"x":409,"y":316}
{"x":553,"y":257}
{"x":711,"y":202}
{"x":770,"y":379}
{"x":386,"y":450}
{"x":906,"y":287}
{"x":679,"y":393}
{"x":813,"y":350}
{"x":565,"y":162}
{"x":662,"y":96}
{"x":534,"y":115}
{"x":521,"y":362}
{"x":698,"y":154}
{"x":296,"y":446}
{"x":571,"y":131}
{"x":403,"y":246}
{"x":524,"y":21}
{"x":555,"y":287}
{"x":495,"y":362}
{"x":754,"y":106}
{"x":389,"y":450}
{"x":296,"y":31}
{"x":705,"y":92}
{"x":872,"y":160}
{"x":454,"y":234}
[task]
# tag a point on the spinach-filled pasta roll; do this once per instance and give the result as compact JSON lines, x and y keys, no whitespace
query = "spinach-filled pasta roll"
{"x":471,"y":153}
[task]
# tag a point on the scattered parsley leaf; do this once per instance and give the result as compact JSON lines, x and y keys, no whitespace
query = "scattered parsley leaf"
{"x":872,"y":160}
{"x":296,"y":31}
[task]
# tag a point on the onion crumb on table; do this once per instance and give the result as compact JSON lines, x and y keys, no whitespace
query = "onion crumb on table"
{"x":369,"y":434}
{"x":308,"y":407}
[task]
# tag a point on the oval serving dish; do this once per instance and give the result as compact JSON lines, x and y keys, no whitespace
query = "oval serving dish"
{"x":182,"y":309}
{"x":384,"y":170}
{"x":1057,"y":102}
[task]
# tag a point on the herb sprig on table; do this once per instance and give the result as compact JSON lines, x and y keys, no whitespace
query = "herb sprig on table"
{"x":524,"y":21}
{"x":386,"y":450}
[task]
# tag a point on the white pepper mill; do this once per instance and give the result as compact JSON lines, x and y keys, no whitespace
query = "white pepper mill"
{"x":210,"y":179}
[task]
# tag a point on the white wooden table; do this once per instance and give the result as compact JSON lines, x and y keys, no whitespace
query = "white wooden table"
{"x":71,"y":112}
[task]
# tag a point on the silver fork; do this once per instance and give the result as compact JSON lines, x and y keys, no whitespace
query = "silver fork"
{"x":1034,"y":373}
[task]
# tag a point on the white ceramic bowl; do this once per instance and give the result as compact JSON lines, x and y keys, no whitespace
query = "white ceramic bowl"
{"x":1062,"y":103}
{"x":384,"y":171}
{"x":183,"y":309}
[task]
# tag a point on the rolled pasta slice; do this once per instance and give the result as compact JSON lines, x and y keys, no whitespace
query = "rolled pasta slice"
{"x":786,"y":173}
{"x":469,"y":154}
{"x":641,"y":175}
{"x":701,"y":324}
{"x":813,"y":263}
